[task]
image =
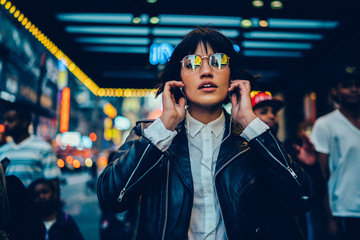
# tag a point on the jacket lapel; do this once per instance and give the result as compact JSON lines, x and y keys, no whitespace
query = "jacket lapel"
{"x":179,"y":157}
{"x":232,"y":143}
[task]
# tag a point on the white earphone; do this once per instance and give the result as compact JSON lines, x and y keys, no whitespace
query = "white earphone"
{"x":186,"y":104}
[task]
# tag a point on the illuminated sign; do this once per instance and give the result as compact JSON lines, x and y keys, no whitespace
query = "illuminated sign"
{"x":160,"y":53}
{"x":65,"y":110}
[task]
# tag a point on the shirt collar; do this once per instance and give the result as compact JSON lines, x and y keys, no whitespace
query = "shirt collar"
{"x":194,"y":126}
{"x":23,"y":142}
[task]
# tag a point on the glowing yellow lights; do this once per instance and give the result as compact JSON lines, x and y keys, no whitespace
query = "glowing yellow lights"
{"x":24,"y":21}
{"x":263,"y":23}
{"x":110,"y":110}
{"x":59,"y":55}
{"x":313,"y":96}
{"x":154,"y":20}
{"x":21,"y":17}
{"x":246,"y":23}
{"x":103,"y":161}
{"x":88,"y":162}
{"x":257,"y":3}
{"x":276,"y":4}
{"x":101,"y":92}
{"x":119,"y":92}
{"x":17,"y":14}
{"x":12,"y":9}
{"x":28,"y":25}
{"x":136,"y":20}
{"x":7,"y":5}
{"x":76,"y":163}
{"x":60,"y":163}
{"x":47,"y":43}
{"x":50,"y":46}
{"x":69,"y":159}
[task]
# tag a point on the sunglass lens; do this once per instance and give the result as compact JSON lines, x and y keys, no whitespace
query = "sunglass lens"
{"x":192,"y":62}
{"x":219,"y":61}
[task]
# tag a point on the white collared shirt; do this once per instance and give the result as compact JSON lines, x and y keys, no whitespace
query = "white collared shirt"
{"x":204,"y":144}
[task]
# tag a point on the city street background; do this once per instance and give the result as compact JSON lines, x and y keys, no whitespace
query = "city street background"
{"x":81,"y":202}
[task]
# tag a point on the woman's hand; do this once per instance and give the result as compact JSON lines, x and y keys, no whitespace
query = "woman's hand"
{"x":242,"y":110}
{"x":173,"y":112}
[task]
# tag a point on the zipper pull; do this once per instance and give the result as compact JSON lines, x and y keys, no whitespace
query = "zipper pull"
{"x":121,"y":194}
{"x":292,"y":172}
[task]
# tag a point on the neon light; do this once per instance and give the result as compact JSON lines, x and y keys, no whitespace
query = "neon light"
{"x":109,"y":30}
{"x":116,"y":49}
{"x":300,"y":23}
{"x":258,"y":53}
{"x":199,"y":20}
{"x":280,"y":45}
{"x":125,"y":18}
{"x":114,"y":40}
{"x":283,"y":35}
{"x":65,"y":110}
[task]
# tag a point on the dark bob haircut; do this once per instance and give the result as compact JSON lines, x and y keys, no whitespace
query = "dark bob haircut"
{"x":208,"y":37}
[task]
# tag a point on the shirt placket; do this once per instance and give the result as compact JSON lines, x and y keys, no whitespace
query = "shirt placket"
{"x":206,"y":173}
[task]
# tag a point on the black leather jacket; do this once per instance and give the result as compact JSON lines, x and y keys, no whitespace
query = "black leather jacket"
{"x":256,"y":184}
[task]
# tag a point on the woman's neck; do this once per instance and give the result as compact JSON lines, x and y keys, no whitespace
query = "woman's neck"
{"x":205,"y":115}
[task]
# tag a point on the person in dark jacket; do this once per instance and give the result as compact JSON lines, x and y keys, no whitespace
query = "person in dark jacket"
{"x":311,"y":224}
{"x":200,"y":172}
{"x":57,"y":225}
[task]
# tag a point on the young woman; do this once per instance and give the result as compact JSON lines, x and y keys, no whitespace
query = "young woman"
{"x":200,"y":172}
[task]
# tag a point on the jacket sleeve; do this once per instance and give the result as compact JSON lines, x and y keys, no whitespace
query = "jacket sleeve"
{"x":287,"y":183}
{"x":120,"y":184}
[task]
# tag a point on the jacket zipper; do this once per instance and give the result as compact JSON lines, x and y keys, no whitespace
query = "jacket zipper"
{"x":123,"y":191}
{"x":217,"y":196}
{"x":287,"y":167}
{"x":166,"y":199}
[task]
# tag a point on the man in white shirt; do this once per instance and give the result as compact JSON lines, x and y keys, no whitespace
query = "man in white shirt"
{"x":336,"y":137}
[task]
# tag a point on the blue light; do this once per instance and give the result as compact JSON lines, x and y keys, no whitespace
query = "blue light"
{"x":194,"y":20}
{"x":114,"y":40}
{"x":119,"y":49}
{"x":86,"y":142}
{"x":280,"y":45}
{"x":258,"y":53}
{"x":236,"y":47}
{"x":160,"y":53}
{"x":283,"y":35}
{"x":122,"y":123}
{"x":300,"y":23}
{"x":173,"y":41}
{"x":125,"y":18}
{"x":109,"y":30}
{"x":180,"y":32}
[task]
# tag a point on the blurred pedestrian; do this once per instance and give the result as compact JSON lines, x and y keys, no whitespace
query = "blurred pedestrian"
{"x":18,"y":218}
{"x":201,"y":172}
{"x":310,"y":226}
{"x":31,"y":157}
{"x":57,"y":225}
{"x":336,"y":137}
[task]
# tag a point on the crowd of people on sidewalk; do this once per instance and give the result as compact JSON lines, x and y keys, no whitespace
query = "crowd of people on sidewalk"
{"x":200,"y":171}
